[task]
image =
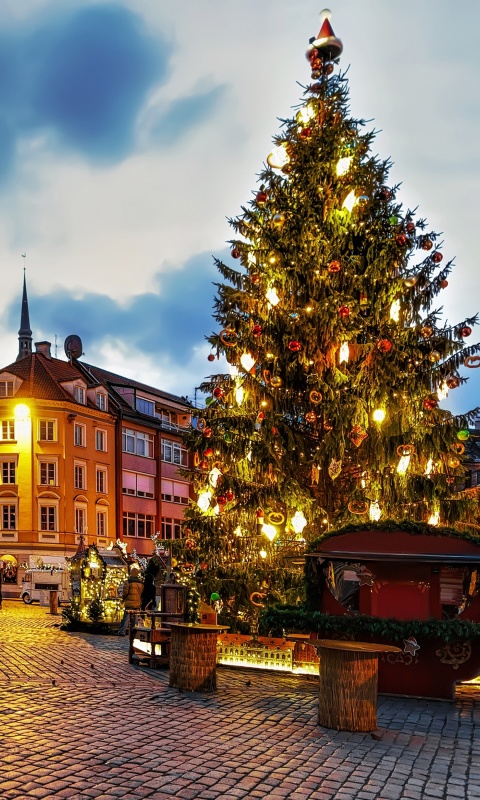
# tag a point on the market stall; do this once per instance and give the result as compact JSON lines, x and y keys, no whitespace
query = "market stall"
{"x":97,"y":577}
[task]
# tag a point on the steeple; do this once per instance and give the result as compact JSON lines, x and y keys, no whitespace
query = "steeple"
{"x":25,"y":333}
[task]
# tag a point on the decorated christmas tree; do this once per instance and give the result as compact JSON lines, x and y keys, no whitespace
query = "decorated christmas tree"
{"x":338,"y":359}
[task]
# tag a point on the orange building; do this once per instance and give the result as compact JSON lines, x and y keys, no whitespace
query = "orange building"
{"x":83,"y":451}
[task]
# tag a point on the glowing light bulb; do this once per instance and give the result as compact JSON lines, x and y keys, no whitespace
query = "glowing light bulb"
{"x":21,"y":412}
{"x":270,"y":531}
{"x":238,"y":531}
{"x":374,"y":512}
{"x":272,"y":296}
{"x":429,"y":467}
{"x":263,"y":553}
{"x":298,"y":521}
{"x":213,"y":476}
{"x":203,"y":500}
{"x":278,"y":157}
{"x":403,"y":465}
{"x":247,"y":361}
{"x":434,"y":518}
{"x":395,"y":311}
{"x":343,"y":165}
{"x":349,"y":201}
{"x":306,"y":113}
{"x":378,"y":415}
{"x":442,"y":391}
{"x":344,"y":353}
{"x":239,"y":395}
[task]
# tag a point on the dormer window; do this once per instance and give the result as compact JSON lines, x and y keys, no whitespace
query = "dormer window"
{"x":145,"y":406}
{"x":6,"y":388}
{"x":79,"y":394}
{"x":101,"y":401}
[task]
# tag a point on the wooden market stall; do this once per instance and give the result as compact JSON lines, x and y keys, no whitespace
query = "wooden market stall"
{"x":97,"y":576}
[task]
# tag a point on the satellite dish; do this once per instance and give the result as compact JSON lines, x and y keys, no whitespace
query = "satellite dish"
{"x":73,"y":346}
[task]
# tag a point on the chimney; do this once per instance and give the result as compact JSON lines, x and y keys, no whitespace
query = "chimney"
{"x":43,"y":348}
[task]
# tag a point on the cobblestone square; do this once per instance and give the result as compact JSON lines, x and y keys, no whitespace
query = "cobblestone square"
{"x":78,"y":721}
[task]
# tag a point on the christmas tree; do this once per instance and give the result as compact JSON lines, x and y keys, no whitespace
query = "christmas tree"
{"x":338,"y":359}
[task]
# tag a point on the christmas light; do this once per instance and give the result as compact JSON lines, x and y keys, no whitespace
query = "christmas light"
{"x":344,"y":353}
{"x":349,"y":201}
{"x":442,"y":391}
{"x":213,"y":476}
{"x":395,"y":311}
{"x":374,"y":512}
{"x":278,"y":157}
{"x":272,"y":296}
{"x":269,"y":530}
{"x":403,"y":465}
{"x":378,"y":415}
{"x":238,"y":531}
{"x":429,"y":467}
{"x":263,"y":553}
{"x":247,"y":361}
{"x":434,"y":518}
{"x":343,"y":165}
{"x":305,"y":114}
{"x":298,"y":521}
{"x":203,"y":500}
{"x":239,"y":395}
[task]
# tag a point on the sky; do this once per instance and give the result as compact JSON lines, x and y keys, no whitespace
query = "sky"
{"x":131,"y":130}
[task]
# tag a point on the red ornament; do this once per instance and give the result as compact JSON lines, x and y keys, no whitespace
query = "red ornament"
{"x":236,"y":253}
{"x":453,"y":382}
{"x":437,"y":257}
{"x":401,"y":239}
{"x":315,"y":88}
{"x":211,"y":357}
{"x":310,"y":417}
{"x":204,"y":465}
{"x":257,"y":330}
{"x":385,"y":193}
{"x":410,"y":226}
{"x":384,"y":345}
{"x":443,"y":284}
{"x":255,"y":278}
{"x":427,"y":244}
{"x":344,"y":311}
{"x":261,"y":198}
{"x":430,"y":403}
{"x":305,"y":133}
{"x":328,"y":68}
{"x":222,"y":500}
{"x":207,"y":432}
{"x":466,"y":331}
{"x":229,"y":496}
{"x":334,"y":267}
{"x":208,"y":453}
{"x":190,"y":544}
{"x":294,"y":346}
{"x":217,"y":392}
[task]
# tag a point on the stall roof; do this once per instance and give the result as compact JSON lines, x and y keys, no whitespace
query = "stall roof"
{"x":433,"y":558}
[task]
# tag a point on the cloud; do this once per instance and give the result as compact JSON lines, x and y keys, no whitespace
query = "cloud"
{"x":170,"y":323}
{"x":185,"y":113}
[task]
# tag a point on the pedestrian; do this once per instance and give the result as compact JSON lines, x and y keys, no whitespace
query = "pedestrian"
{"x":148,"y":602}
{"x":132,"y":596}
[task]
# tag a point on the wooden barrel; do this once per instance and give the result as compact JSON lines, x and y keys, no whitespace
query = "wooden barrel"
{"x":193,"y":658}
{"x":347,"y":699}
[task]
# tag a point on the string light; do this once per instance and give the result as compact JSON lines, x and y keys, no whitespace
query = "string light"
{"x":272,"y":296}
{"x":379,"y":415}
{"x":343,"y":165}
{"x":395,"y":311}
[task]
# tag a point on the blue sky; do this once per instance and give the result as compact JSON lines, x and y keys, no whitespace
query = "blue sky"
{"x":130,"y":131}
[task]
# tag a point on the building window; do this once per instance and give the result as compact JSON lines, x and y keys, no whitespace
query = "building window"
{"x":101,"y":480}
{"x":9,"y":517}
{"x":6,"y":388}
{"x":79,"y":435}
{"x":48,"y":518}
{"x":79,"y":394}
{"x":171,"y":528}
{"x":101,"y":523}
{"x":174,"y":453}
{"x":101,"y":401}
{"x":47,"y":430}
{"x":80,"y":520}
{"x":8,"y":471}
{"x":140,"y":525}
{"x":145,"y":406}
{"x":8,"y":430}
{"x":141,"y":444}
{"x":80,"y":476}
{"x":101,"y":440}
{"x":135,"y":483}
{"x":175,"y":492}
{"x":48,"y":473}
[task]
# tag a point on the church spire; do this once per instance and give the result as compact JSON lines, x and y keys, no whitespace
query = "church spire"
{"x":24,"y":333}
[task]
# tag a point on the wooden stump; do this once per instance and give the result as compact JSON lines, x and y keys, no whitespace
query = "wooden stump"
{"x":193,"y":659}
{"x":347,"y":699}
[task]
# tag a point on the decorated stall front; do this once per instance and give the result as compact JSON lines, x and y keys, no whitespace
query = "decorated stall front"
{"x":410,"y":585}
{"x":98,"y":576}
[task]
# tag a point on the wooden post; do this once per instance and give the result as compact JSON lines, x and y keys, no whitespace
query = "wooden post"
{"x":53,"y":601}
{"x":347,"y":698}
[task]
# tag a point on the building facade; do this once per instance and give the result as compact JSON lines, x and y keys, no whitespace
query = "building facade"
{"x":84,"y":451}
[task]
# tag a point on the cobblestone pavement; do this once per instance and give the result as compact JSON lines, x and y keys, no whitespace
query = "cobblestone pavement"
{"x":76,"y":720}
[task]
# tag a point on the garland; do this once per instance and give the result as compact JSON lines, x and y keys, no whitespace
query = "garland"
{"x":392,"y":526}
{"x":294,"y":618}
